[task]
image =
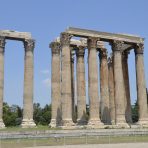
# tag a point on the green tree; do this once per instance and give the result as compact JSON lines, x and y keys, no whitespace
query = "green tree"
{"x":135,"y":116}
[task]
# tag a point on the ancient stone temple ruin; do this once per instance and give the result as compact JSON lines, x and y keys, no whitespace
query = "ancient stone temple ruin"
{"x":113,"y":107}
{"x":109,"y":107}
{"x":28,"y":75}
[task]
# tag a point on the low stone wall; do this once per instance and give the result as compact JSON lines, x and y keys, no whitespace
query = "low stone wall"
{"x":71,"y":133}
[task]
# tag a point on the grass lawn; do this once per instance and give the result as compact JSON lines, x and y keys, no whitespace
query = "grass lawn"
{"x":19,"y":143}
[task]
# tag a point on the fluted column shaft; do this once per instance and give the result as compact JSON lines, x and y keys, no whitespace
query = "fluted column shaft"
{"x":73,"y":84}
{"x":111,"y":90}
{"x":81,"y":99}
{"x":119,"y":84}
{"x":55,"y":94}
{"x":104,"y":88}
{"x":128,"y":113}
{"x":2,"y":50}
{"x":66,"y":81}
{"x":94,"y":118}
{"x":28,"y":85}
{"x":141,"y":85}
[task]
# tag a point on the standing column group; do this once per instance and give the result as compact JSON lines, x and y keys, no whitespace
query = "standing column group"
{"x":115,"y":106}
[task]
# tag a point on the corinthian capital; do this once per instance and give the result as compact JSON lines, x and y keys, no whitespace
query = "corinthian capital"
{"x":92,"y":42}
{"x":55,"y":47}
{"x":139,"y":48}
{"x":65,"y":38}
{"x":2,"y":42}
{"x":117,"y":45}
{"x":29,"y":44}
{"x":80,"y":51}
{"x":103,"y":53}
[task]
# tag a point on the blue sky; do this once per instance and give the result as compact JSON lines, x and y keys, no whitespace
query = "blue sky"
{"x":45,"y":19}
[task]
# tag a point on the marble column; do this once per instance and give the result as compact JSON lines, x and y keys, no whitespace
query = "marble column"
{"x":73,"y":84}
{"x":28,"y":85}
{"x":141,"y":85}
{"x":2,"y":50}
{"x":119,"y":84}
{"x":128,"y":112}
{"x":94,"y":114}
{"x":104,"y":88}
{"x":81,"y":102}
{"x":66,"y":82}
{"x":111,"y":90}
{"x":55,"y":93}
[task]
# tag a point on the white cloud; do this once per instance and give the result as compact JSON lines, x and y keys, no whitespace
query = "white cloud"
{"x":45,"y":71}
{"x":47,"y":82}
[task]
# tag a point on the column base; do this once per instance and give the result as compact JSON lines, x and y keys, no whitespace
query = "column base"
{"x":121,"y":125}
{"x":67,"y":124}
{"x":95,"y":123}
{"x":143,"y":122}
{"x":28,"y":123}
{"x":54,"y":124}
{"x":2,"y":125}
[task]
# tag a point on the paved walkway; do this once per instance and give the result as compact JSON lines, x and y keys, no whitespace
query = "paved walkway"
{"x":123,"y":145}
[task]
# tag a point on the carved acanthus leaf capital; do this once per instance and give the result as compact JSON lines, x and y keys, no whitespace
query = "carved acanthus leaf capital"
{"x":125,"y":54}
{"x":139,"y":48}
{"x":103,"y":53}
{"x":55,"y":47}
{"x":92,"y":42}
{"x":65,"y":39}
{"x":117,"y":45}
{"x":2,"y":43}
{"x":29,"y":44}
{"x":80,"y":51}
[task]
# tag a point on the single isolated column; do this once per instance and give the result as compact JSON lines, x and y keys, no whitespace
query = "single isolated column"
{"x":28,"y":85}
{"x":81,"y":102}
{"x":119,"y":84}
{"x":55,"y":93}
{"x":2,"y":50}
{"x":141,"y":86}
{"x":111,"y":90}
{"x":94,"y":118}
{"x":128,"y":112}
{"x":104,"y":88}
{"x":66,"y":82}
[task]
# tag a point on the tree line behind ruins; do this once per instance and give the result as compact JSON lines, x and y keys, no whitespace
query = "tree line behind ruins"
{"x":12,"y":115}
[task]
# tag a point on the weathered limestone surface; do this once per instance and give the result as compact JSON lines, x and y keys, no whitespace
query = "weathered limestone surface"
{"x":94,"y":119}
{"x":73,"y":83}
{"x":141,"y":86}
{"x":56,"y":92}
{"x":104,"y":88}
{"x":28,"y":85}
{"x":81,"y":102}
{"x":9,"y":34}
{"x":119,"y":85}
{"x":128,"y":113}
{"x":66,"y":82}
{"x":105,"y":36}
{"x":2,"y":50}
{"x":111,"y":91}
